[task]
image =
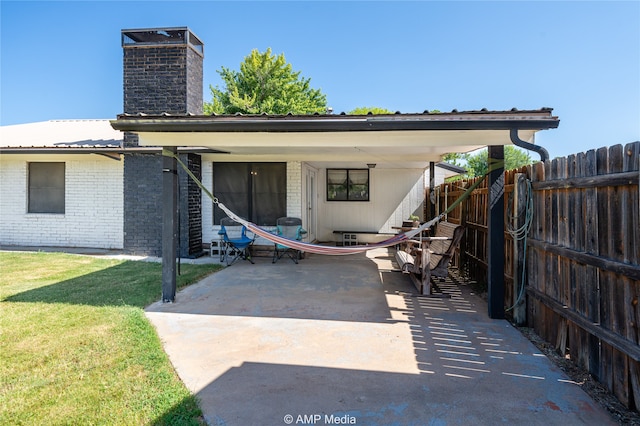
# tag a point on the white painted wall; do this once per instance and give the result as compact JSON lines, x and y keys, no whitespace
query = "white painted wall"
{"x":93,"y":203}
{"x":394,"y":195}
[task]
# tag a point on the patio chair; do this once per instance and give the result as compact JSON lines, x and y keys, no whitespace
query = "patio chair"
{"x":288,"y":227}
{"x":235,"y":242}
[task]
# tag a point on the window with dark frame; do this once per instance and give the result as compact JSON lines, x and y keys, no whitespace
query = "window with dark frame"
{"x":347,"y":184}
{"x":46,"y":188}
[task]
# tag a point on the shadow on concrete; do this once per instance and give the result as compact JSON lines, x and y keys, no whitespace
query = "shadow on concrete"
{"x":339,"y":288}
{"x":265,"y":394}
{"x":338,"y":340}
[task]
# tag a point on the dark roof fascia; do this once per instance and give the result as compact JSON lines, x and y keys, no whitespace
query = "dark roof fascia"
{"x":475,"y":120}
{"x":451,"y":167}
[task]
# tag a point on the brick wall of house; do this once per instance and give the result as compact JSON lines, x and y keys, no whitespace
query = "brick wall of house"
{"x":143,"y":204}
{"x":209,"y":232}
{"x":93,"y":204}
{"x":294,"y":189}
{"x":190,"y":207}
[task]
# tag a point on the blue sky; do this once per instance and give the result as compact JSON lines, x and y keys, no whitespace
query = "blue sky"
{"x":63,"y":60}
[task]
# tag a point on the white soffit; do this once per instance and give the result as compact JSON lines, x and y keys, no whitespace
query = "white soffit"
{"x":391,"y":146}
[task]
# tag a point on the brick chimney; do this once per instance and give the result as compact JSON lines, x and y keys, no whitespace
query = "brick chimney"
{"x":162,"y":73}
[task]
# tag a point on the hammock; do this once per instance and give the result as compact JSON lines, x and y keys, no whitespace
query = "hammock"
{"x":317,"y":248}
{"x":320,"y":249}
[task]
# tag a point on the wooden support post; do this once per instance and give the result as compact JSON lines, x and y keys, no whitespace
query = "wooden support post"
{"x":495,"y":243}
{"x":169,"y":223}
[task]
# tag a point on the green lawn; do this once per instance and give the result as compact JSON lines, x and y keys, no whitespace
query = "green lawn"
{"x":76,"y":348}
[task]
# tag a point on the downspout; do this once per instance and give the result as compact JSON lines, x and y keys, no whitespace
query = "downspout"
{"x":544,"y":154}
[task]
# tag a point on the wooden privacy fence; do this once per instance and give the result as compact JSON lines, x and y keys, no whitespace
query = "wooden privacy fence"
{"x":582,"y":280}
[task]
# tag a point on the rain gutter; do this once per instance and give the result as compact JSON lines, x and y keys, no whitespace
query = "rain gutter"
{"x":544,"y":154}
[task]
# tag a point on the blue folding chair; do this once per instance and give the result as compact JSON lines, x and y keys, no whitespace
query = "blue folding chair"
{"x":235,"y":242}
{"x":288,"y":227}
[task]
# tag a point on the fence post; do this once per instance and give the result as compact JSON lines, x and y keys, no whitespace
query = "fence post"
{"x":446,"y":201}
{"x":519,"y":281}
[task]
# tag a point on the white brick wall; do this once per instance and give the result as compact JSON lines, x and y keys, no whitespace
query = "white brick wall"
{"x":294,"y":189}
{"x":208,"y":232}
{"x":93,"y":204}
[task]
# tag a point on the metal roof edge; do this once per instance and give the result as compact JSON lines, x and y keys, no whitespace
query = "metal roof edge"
{"x":451,"y":167}
{"x":476,"y":120}
{"x":102,"y":150}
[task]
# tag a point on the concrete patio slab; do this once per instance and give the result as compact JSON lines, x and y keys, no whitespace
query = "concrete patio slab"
{"x":345,"y":340}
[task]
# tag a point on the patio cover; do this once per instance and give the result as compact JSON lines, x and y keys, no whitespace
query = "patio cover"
{"x":389,"y":140}
{"x":392,"y":140}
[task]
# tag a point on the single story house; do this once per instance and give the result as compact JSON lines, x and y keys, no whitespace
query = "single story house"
{"x":62,"y":184}
{"x":98,"y":183}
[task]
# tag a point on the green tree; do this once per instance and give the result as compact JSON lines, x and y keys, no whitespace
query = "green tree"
{"x":455,"y":158}
{"x":378,"y":110}
{"x":372,"y":110}
{"x":266,"y":83}
{"x":477,"y":164}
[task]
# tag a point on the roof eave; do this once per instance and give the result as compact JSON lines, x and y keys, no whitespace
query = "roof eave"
{"x":451,"y":167}
{"x":538,"y":120}
{"x":93,"y":150}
